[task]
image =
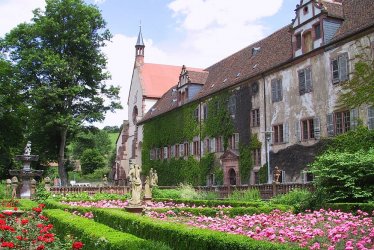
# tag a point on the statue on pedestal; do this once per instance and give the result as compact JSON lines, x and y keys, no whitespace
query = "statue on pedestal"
{"x":277,"y":173}
{"x":147,"y":189}
{"x":153,"y":177}
{"x":136,"y":185}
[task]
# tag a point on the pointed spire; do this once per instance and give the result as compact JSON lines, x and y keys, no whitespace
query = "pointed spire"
{"x":140,"y":42}
{"x":139,"y":48}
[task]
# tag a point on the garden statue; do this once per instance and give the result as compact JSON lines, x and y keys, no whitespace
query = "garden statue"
{"x":147,"y":189}
{"x":154,"y":178}
{"x":277,"y":173}
{"x":136,"y":185}
{"x":14,"y":187}
{"x":27,"y":150}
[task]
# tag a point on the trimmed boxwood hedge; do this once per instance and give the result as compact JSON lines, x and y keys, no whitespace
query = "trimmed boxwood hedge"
{"x":96,"y":235}
{"x":175,"y":235}
{"x":179,"y":236}
{"x":351,"y":207}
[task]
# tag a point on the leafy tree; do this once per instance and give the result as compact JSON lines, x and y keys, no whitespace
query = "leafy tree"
{"x":98,"y":139}
{"x":111,"y":129}
{"x":91,"y":160}
{"x":58,"y":56}
{"x":12,"y":116}
{"x":360,"y":88}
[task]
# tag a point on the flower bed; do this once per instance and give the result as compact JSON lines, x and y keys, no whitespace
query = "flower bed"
{"x":318,"y":230}
{"x":31,"y":230}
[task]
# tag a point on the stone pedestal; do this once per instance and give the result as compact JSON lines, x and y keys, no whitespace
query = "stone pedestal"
{"x":134,"y":209}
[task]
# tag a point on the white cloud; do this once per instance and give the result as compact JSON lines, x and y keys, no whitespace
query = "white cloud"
{"x":14,"y":12}
{"x":99,"y":1}
{"x":217,"y":28}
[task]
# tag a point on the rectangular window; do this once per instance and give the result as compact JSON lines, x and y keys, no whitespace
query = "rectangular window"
{"x":186,"y":149}
{"x":339,"y":68}
{"x":172,"y":151}
{"x":196,"y":148}
{"x":317,"y":31}
{"x":196,"y":114}
{"x":305,"y":81}
{"x":371,"y":117}
{"x":255,"y":117}
{"x":276,"y":90}
{"x":298,"y":41}
{"x":234,"y":141}
{"x":205,"y":111}
{"x":165,"y":151}
{"x":181,"y":150}
{"x":232,"y":105}
{"x":256,"y":157}
{"x":278,"y":134}
{"x":307,"y":129}
{"x":342,"y":122}
{"x":177,"y":150}
{"x":219,"y":144}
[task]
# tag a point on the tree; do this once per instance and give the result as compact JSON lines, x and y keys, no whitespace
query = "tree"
{"x":91,"y":160}
{"x":59,"y":58}
{"x":360,"y":88}
{"x":98,"y":139}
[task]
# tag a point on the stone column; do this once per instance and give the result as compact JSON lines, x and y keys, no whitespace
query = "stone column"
{"x":33,"y":188}
{"x":47,"y":182}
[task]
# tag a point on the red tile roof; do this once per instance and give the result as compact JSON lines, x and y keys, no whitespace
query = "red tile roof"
{"x":275,"y":50}
{"x":156,"y":79}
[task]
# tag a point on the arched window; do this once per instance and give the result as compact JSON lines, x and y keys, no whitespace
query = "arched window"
{"x":232,"y":176}
{"x":134,"y":114}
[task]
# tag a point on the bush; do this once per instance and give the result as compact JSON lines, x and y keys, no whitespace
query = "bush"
{"x":95,"y":235}
{"x":344,"y":176}
{"x":297,"y":198}
{"x":246,"y":195}
{"x":351,"y":207}
{"x":91,"y":159}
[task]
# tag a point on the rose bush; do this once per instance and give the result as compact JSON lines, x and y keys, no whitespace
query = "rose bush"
{"x":31,"y":230}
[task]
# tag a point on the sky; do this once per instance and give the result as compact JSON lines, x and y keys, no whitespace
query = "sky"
{"x":195,"y":33}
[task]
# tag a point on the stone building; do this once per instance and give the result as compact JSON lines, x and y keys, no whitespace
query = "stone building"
{"x":149,"y":82}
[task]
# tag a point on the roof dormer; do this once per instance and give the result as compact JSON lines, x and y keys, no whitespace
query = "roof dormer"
{"x":316,"y":21}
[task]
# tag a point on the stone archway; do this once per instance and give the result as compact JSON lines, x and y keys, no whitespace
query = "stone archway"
{"x":232,"y":177}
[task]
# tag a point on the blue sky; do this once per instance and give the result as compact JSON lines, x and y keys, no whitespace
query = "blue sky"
{"x":197,"y":33}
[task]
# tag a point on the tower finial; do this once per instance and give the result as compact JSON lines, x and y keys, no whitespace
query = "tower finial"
{"x":140,"y":42}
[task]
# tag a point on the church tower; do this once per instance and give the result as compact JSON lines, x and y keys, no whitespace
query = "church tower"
{"x":139,"y":49}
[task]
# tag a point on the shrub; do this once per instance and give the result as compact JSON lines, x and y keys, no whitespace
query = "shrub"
{"x":246,"y":195}
{"x":297,"y":198}
{"x":91,"y":159}
{"x":345,"y":176}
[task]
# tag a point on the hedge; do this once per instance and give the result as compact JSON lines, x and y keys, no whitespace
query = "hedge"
{"x":232,"y":203}
{"x":95,"y":235}
{"x":179,"y":236}
{"x":351,"y":207}
{"x":23,"y":204}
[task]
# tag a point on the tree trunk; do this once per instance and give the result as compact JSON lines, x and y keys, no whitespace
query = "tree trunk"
{"x":61,"y":158}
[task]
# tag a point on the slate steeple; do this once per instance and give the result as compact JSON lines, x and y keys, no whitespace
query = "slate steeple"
{"x":139,"y":48}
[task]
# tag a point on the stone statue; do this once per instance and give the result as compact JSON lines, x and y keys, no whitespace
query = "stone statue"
{"x":277,"y":173}
{"x":136,"y":185}
{"x":27,"y":150}
{"x":154,"y":178}
{"x":147,"y":189}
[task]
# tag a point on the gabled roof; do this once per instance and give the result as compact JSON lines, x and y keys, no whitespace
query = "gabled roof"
{"x":198,"y":77}
{"x":333,"y":8}
{"x":274,"y":51}
{"x":156,"y":79}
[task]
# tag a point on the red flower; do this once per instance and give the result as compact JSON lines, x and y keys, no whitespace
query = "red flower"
{"x":24,"y":221}
{"x":19,"y":237}
{"x":37,"y":209}
{"x":77,"y":245}
{"x":15,"y":209}
{"x":7,"y":244}
{"x":9,"y":213}
{"x":41,"y":205}
{"x":41,"y":247}
{"x":40,"y":225}
{"x":2,"y":216}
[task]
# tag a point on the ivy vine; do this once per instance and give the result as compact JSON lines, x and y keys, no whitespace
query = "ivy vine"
{"x":245,"y":159}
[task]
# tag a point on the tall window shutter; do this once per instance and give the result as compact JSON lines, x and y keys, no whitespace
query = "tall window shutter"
{"x":308,"y":80}
{"x":280,"y":94}
{"x":353,"y":118}
{"x":172,"y":151}
{"x":273,"y":90}
{"x":181,"y":150}
{"x":297,"y":129}
{"x":371,"y":117}
{"x":317,"y":128}
{"x":191,"y":148}
{"x":285,"y":133}
{"x":330,"y":125}
{"x":302,"y":82}
{"x":165,"y":152}
{"x":343,"y":67}
{"x":213,"y":145}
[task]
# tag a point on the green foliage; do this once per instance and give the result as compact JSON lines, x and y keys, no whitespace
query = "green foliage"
{"x":360,"y":88}
{"x":263,"y":174}
{"x":61,"y":67}
{"x":41,"y":193}
{"x":98,"y":139}
{"x":206,"y":166}
{"x":183,"y":191}
{"x":95,"y":235}
{"x":218,"y":175}
{"x":298,"y":198}
{"x":345,"y":176}
{"x":351,"y":207}
{"x":219,"y":122}
{"x":91,"y":160}
{"x":245,"y":160}
{"x":246,"y":195}
{"x":112,"y":129}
